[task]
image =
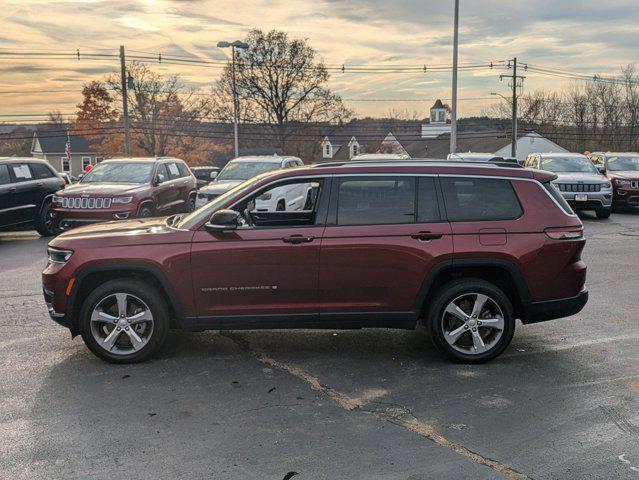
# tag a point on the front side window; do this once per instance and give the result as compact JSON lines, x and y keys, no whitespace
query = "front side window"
{"x":119,"y":172}
{"x":568,"y":165}
{"x":621,"y":163}
{"x":376,"y":200}
{"x":480,"y":199}
{"x":40,"y":171}
{"x":174,"y":171}
{"x":245,"y":170}
{"x":21,"y":172}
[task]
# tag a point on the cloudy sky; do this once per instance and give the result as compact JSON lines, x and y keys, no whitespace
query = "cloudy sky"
{"x":584,"y":36}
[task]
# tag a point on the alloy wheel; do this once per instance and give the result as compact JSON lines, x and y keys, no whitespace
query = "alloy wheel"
{"x":472,"y":323}
{"x":121,"y":323}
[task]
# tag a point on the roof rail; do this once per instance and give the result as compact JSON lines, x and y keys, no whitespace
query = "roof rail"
{"x":496,"y":161}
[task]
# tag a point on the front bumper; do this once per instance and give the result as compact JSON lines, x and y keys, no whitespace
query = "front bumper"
{"x":70,"y":218}
{"x":627,"y":196}
{"x":60,"y":318}
{"x":550,"y":310}
{"x":594,"y":200}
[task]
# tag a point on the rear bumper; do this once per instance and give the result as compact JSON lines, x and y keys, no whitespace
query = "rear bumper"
{"x":550,"y":310}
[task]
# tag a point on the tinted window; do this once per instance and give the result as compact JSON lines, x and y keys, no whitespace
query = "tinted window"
{"x":478,"y":199}
{"x":41,"y":171}
{"x":427,"y":204}
{"x":376,"y":200}
{"x":4,"y":175}
{"x":554,"y":193}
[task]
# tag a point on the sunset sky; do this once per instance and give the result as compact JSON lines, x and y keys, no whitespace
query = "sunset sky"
{"x":583,"y":36}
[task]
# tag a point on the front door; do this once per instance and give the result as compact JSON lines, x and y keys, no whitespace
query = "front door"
{"x":384,"y":234}
{"x":267,"y":268}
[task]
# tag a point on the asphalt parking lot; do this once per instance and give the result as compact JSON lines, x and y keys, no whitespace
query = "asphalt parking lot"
{"x":562,"y":402}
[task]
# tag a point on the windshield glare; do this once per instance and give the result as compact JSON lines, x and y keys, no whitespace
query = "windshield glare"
{"x":617,"y":164}
{"x":245,"y":170}
{"x":119,"y":173}
{"x":568,"y":164}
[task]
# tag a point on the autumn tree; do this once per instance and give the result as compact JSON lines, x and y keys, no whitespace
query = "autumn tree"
{"x":164,"y":115}
{"x":281,"y":83}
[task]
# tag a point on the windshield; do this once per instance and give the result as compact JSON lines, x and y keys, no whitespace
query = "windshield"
{"x":617,"y":164}
{"x":118,"y":172}
{"x":245,"y":170}
{"x":568,"y":164}
{"x":207,"y":210}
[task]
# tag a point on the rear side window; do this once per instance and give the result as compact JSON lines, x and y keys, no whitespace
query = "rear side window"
{"x":554,"y":193}
{"x":479,"y":199}
{"x":41,"y":171}
{"x":376,"y":201}
{"x":183,"y":169}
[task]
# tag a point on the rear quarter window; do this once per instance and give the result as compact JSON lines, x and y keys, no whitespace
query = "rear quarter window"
{"x":480,"y":199}
{"x":554,"y":193}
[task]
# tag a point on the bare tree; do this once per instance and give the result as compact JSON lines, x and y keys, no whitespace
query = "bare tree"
{"x":280,"y":84}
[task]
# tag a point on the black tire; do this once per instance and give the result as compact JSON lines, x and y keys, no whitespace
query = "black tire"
{"x":141,"y":290}
{"x":190,"y":204}
{"x":281,"y":206}
{"x":145,"y":211}
{"x":45,"y":223}
{"x":459,"y":288}
{"x":603,"y":213}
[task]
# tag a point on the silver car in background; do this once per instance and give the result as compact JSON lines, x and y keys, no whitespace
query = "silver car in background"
{"x":578,"y":180}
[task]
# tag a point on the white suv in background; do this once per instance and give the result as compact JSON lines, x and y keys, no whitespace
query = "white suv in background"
{"x":242,"y":168}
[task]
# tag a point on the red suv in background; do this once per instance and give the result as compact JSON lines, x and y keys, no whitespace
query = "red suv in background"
{"x":126,"y":188}
{"x":622,"y":169}
{"x":467,"y":249}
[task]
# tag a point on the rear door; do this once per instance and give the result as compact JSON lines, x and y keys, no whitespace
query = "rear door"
{"x":166,"y":191}
{"x":383,"y":236}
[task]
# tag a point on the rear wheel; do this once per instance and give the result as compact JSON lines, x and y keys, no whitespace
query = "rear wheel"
{"x":45,"y":222}
{"x":190,"y":205}
{"x":471,"y":320}
{"x":124,"y":321}
{"x":603,"y":213}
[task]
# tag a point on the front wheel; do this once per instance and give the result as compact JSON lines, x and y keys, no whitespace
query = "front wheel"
{"x":124,"y":321}
{"x":145,"y":211}
{"x":603,"y":213}
{"x":471,"y":321}
{"x":45,"y":222}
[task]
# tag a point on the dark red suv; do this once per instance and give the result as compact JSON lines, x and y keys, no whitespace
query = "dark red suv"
{"x":125,"y":188}
{"x":467,"y":249}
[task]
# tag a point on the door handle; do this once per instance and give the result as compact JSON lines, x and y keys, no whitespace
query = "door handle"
{"x":296,"y":239}
{"x":425,"y":236}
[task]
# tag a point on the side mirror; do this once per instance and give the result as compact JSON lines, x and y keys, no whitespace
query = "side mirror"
{"x":159,"y":178}
{"x":213,"y":175}
{"x":223,"y":220}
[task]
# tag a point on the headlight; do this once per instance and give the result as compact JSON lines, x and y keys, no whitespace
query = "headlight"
{"x":57,"y":200}
{"x":606,"y":185}
{"x":622,"y":183}
{"x":122,"y":200}
{"x":58,"y":256}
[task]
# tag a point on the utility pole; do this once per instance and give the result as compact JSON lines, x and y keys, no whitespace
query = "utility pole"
{"x":517,"y":81}
{"x":242,"y":45}
{"x":125,"y":106}
{"x":453,"y":115}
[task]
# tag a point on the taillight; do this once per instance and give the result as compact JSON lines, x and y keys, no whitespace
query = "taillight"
{"x":565,"y":233}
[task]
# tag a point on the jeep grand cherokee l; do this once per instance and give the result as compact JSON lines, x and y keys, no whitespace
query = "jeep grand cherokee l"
{"x":465,"y":248}
{"x":622,"y":169}
{"x":578,"y":180}
{"x":125,"y":188}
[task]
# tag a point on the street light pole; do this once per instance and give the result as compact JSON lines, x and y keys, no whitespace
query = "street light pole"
{"x":125,"y":105}
{"x":453,"y":116}
{"x":234,"y":45}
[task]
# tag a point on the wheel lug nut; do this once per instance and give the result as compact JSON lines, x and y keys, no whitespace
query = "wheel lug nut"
{"x":474,"y":329}
{"x":126,"y":328}
{"x":118,"y":328}
{"x":466,"y":327}
{"x":478,"y":323}
{"x":129,"y":320}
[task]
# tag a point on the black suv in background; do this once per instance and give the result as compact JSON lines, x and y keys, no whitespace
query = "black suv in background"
{"x":27,"y":186}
